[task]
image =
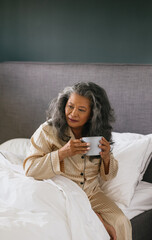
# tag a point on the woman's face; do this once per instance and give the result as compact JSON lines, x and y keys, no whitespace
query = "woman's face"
{"x":77,"y":111}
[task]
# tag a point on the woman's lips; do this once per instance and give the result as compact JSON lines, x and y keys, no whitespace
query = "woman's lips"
{"x":72,"y":120}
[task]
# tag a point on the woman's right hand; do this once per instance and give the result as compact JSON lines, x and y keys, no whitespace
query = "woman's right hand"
{"x":73,"y":147}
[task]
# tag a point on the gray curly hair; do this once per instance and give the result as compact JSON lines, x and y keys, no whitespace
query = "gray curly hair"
{"x":102,"y":115}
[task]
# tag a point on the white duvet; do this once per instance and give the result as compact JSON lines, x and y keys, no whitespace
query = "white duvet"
{"x":43,"y":210}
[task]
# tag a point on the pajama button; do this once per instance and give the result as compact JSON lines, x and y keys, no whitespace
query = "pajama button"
{"x":81,"y":173}
{"x":81,"y":183}
{"x":82,"y":157}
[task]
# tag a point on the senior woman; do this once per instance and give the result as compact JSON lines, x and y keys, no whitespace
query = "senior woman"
{"x":56,"y":148}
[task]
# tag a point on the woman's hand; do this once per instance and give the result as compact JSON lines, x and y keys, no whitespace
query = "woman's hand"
{"x":73,"y":147}
{"x":105,"y":153}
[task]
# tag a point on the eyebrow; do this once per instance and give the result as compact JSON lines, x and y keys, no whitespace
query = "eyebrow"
{"x":79,"y":106}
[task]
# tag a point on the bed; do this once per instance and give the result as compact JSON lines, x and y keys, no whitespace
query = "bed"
{"x":53,"y":209}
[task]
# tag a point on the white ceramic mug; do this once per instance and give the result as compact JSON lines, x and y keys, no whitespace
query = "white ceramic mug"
{"x":94,"y":145}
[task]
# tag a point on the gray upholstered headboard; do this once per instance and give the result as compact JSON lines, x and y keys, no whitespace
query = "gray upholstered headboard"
{"x":27,"y":88}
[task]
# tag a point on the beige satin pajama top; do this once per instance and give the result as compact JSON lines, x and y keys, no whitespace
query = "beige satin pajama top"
{"x":43,"y":161}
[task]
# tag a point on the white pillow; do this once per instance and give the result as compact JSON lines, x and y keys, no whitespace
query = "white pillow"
{"x":132,"y":152}
{"x":122,"y":140}
{"x":141,"y":201}
{"x":18,"y":146}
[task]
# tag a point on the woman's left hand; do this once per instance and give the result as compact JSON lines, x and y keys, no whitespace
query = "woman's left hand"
{"x":105,"y":152}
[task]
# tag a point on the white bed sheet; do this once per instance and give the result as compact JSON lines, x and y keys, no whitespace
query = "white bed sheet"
{"x":52,"y":209}
{"x":142,"y":200}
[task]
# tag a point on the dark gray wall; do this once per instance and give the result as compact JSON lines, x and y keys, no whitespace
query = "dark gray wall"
{"x":76,"y":31}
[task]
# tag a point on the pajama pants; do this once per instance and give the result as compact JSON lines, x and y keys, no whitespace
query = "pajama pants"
{"x":111,"y":213}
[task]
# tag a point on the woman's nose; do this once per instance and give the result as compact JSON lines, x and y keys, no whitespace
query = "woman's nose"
{"x":74,"y":112}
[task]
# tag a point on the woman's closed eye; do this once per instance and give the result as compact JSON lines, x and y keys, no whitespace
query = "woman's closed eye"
{"x":70,"y":106}
{"x":81,"y":110}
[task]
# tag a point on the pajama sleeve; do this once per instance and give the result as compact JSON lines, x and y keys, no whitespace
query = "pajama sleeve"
{"x":43,"y":161}
{"x":113,"y":169}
